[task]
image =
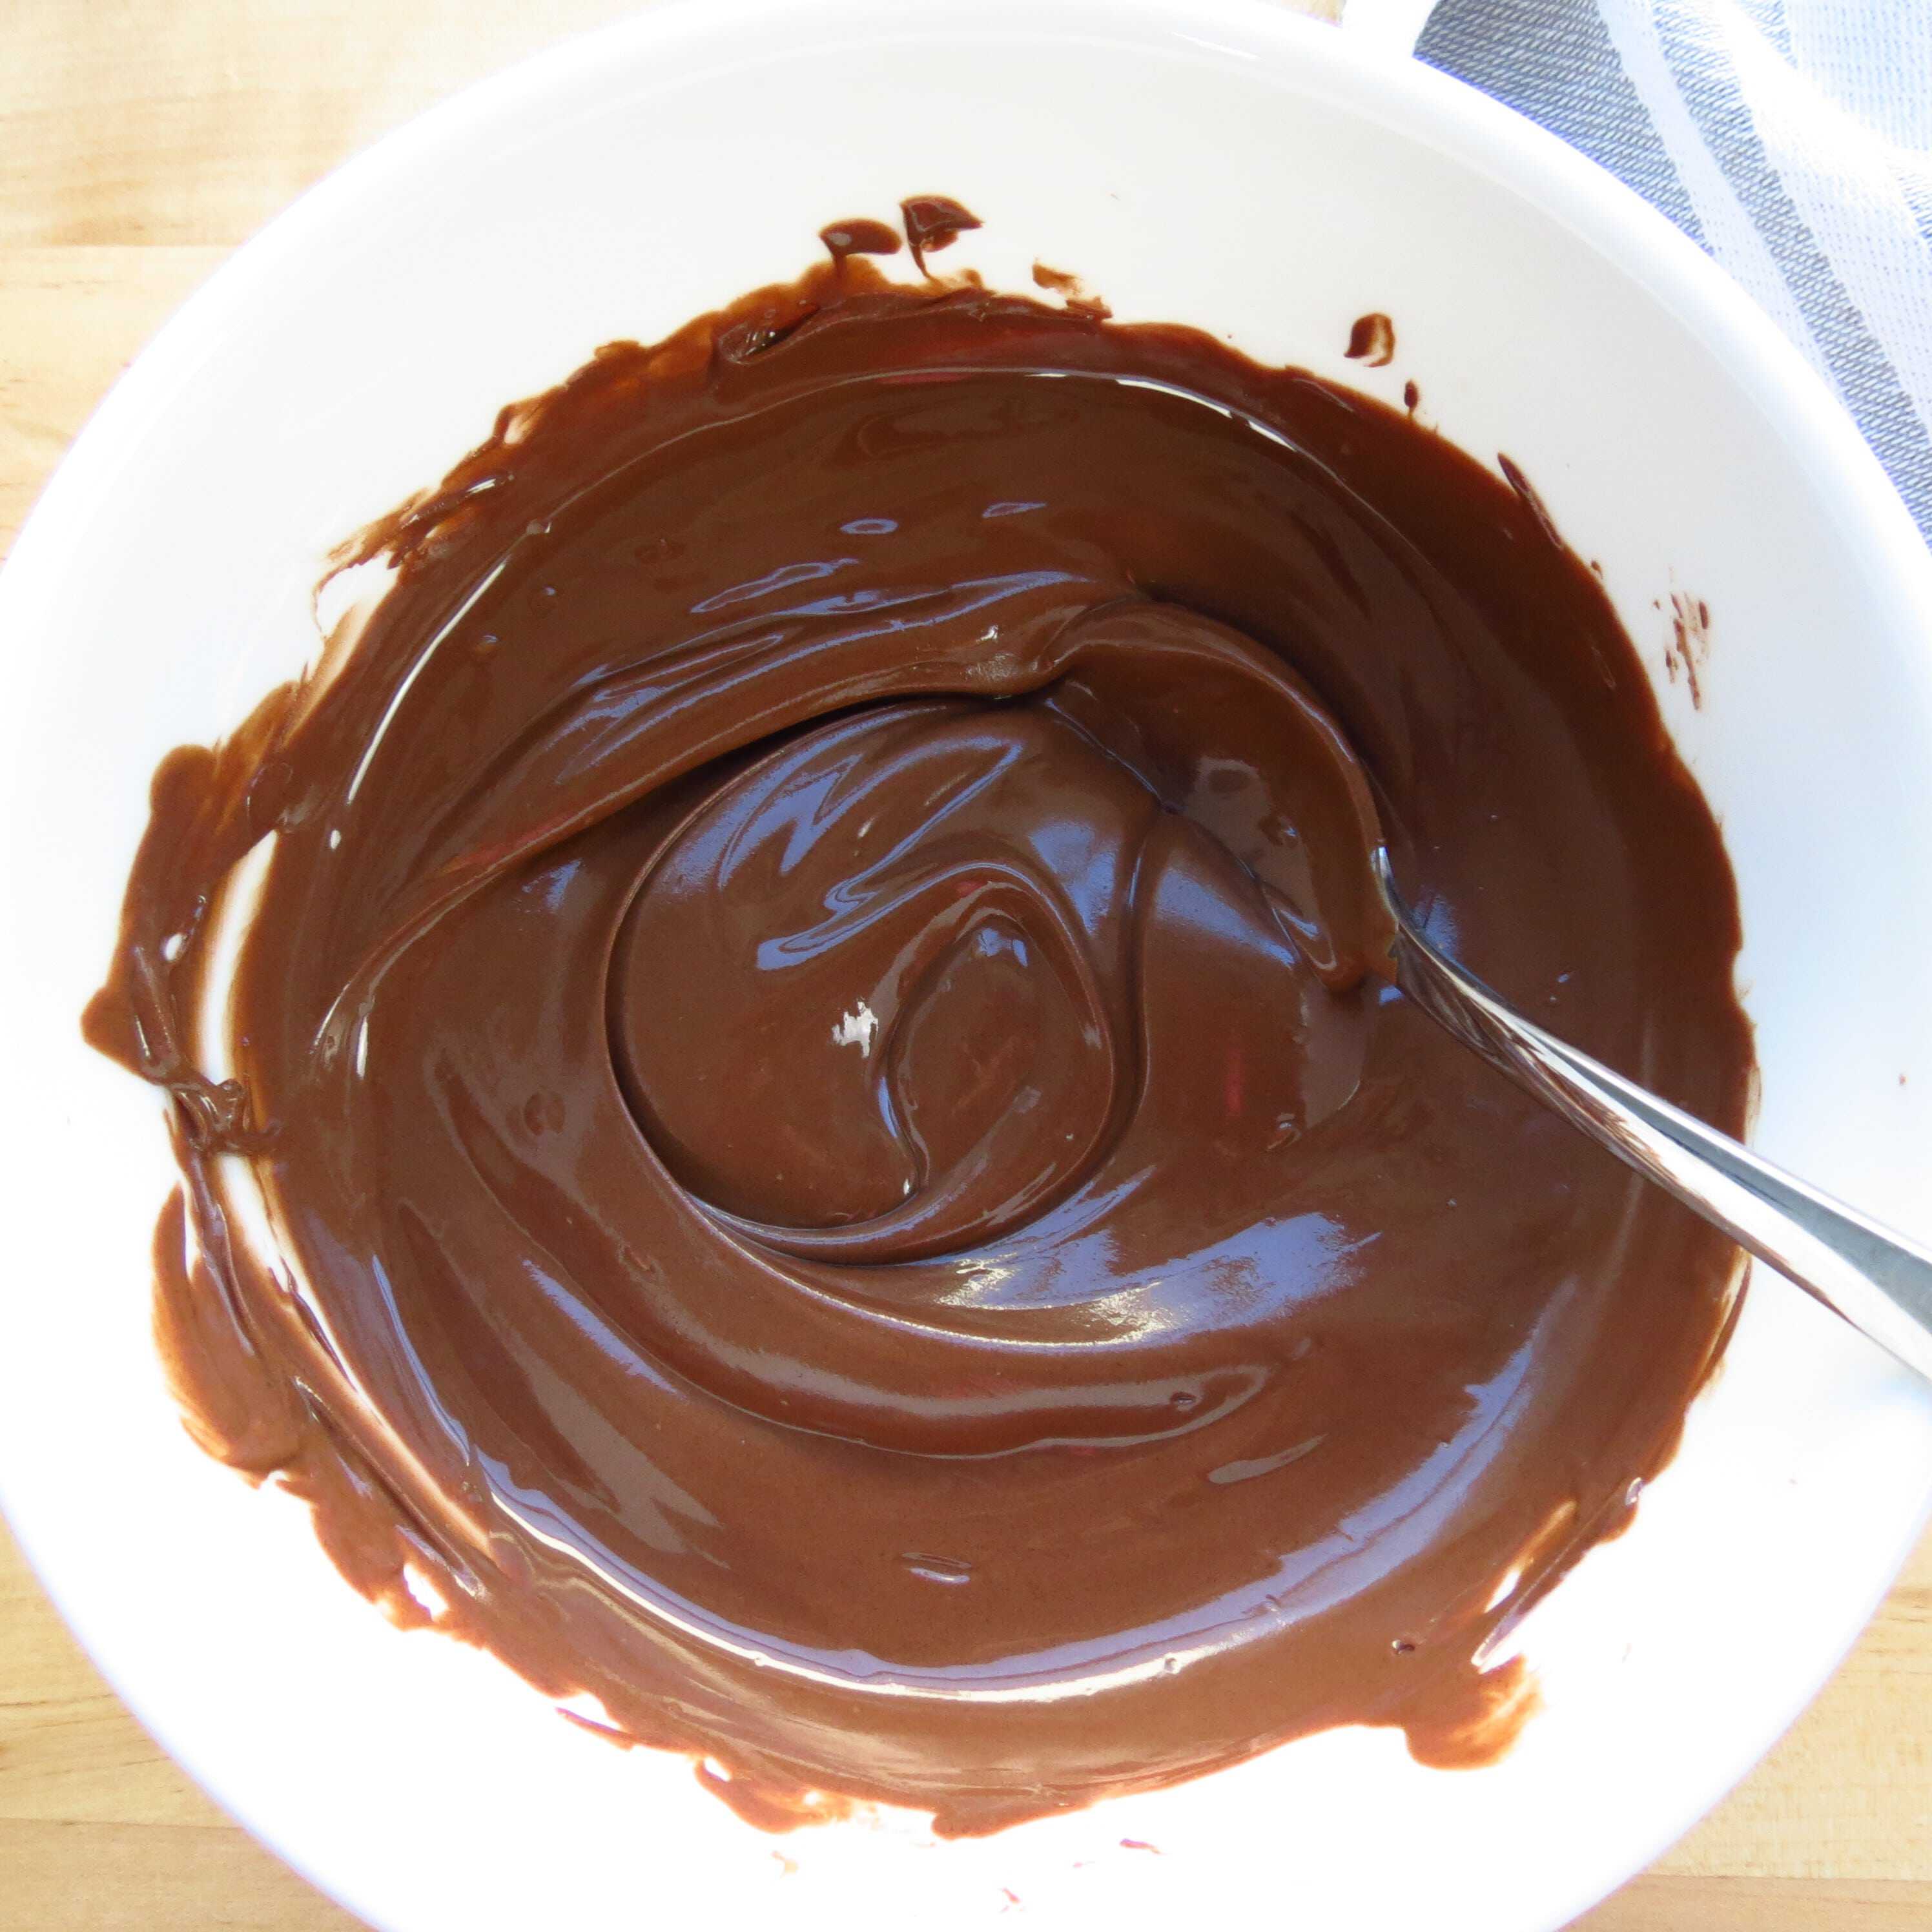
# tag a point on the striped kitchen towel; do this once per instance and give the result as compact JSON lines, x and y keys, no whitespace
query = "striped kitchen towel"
{"x":1793,"y":138}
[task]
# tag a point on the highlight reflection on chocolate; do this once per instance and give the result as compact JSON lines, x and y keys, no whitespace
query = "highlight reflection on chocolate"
{"x":839,"y":1184}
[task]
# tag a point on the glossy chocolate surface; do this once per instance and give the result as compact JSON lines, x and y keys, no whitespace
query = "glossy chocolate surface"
{"x":840,"y":1184}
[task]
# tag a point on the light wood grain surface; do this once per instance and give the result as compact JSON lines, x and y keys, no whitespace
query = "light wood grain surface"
{"x":142,"y":140}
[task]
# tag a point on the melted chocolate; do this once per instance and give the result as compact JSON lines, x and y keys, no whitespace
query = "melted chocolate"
{"x":840,"y":1186}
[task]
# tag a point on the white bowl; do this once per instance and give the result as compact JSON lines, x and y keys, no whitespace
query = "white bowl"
{"x":1209,"y":160}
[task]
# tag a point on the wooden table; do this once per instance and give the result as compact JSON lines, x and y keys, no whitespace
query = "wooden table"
{"x":143,"y":140}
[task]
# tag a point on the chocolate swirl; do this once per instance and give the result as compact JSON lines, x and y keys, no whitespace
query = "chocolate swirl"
{"x":838,"y":1183}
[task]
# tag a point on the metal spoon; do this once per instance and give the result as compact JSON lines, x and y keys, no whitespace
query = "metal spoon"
{"x":1878,"y":1281}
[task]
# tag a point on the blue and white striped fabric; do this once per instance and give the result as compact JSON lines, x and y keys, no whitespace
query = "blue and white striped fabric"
{"x":1793,"y":138}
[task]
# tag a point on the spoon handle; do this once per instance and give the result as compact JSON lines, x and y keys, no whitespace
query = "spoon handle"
{"x":1878,"y":1281}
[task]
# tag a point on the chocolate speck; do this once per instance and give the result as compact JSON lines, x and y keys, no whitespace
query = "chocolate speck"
{"x":1690,"y":647}
{"x":1372,"y":339}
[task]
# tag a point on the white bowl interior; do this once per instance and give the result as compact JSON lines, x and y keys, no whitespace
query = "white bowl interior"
{"x":1213,"y":162}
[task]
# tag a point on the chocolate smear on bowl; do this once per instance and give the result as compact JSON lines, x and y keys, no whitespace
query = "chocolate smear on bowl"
{"x":933,"y":222}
